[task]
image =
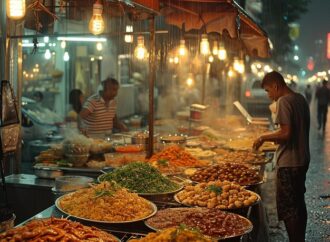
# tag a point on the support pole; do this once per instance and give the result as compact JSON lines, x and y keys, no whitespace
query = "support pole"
{"x":3,"y":43}
{"x":152,"y":77}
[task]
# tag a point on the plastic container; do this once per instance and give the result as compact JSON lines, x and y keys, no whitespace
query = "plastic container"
{"x":196,"y":111}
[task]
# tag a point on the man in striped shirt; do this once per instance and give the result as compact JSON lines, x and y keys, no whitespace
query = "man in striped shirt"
{"x":99,"y":111}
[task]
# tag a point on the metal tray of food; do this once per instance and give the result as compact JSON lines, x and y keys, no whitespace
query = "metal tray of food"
{"x":247,"y":229}
{"x":226,"y":209}
{"x":48,"y":172}
{"x":152,"y":205}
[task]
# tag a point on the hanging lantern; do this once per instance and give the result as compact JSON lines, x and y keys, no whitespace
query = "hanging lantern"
{"x":182,"y":48}
{"x":15,"y":9}
{"x":96,"y":24}
{"x":140,"y":51}
{"x":215,"y":50}
{"x":222,"y":53}
{"x":129,"y":37}
{"x":204,"y":45}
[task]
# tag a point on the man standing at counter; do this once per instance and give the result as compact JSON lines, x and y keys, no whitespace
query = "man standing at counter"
{"x":99,"y":111}
{"x":292,"y":156}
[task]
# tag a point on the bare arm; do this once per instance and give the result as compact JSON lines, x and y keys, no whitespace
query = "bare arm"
{"x":119,"y":125}
{"x":280,"y":136}
{"x":84,"y":113}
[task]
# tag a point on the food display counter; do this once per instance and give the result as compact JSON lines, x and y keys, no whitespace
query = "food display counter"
{"x":209,"y":175}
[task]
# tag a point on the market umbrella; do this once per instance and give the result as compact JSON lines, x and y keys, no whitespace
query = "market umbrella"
{"x":218,"y":16}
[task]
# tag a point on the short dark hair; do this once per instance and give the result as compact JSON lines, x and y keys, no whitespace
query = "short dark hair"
{"x":273,"y":77}
{"x":111,"y":81}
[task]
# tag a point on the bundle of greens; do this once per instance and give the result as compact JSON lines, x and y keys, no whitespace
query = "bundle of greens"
{"x":141,"y":177}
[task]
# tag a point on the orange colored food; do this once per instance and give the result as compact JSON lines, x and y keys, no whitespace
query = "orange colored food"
{"x":129,"y":148}
{"x":175,"y":156}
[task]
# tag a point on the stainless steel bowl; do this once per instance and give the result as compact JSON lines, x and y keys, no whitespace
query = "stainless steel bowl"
{"x":47,"y":172}
{"x":174,"y":139}
{"x":143,"y":138}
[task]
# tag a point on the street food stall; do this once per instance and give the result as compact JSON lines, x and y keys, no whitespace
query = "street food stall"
{"x":191,"y":175}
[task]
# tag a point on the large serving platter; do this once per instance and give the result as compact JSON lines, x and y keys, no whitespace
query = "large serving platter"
{"x":260,"y":180}
{"x":99,"y":179}
{"x":37,"y":226}
{"x":229,"y":209}
{"x":247,"y":229}
{"x":57,"y":204}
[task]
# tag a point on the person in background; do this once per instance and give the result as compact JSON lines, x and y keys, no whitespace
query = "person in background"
{"x":322,"y":96}
{"x":99,"y":111}
{"x":76,"y":99}
{"x":308,"y":93}
{"x":292,"y":156}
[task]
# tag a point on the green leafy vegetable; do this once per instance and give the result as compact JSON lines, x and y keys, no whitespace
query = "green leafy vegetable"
{"x":141,"y":177}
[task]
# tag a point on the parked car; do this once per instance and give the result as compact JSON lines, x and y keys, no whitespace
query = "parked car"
{"x":254,"y":98}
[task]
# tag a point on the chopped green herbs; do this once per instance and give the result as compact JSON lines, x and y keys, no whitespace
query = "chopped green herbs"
{"x":141,"y":177}
{"x":213,"y":188}
{"x":108,"y":191}
{"x":163,"y":162}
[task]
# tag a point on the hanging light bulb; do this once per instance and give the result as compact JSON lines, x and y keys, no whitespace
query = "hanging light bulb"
{"x":239,"y":65}
{"x":66,"y":56}
{"x":236,"y":64}
{"x":128,"y":37}
{"x":15,"y":9}
{"x":63,"y":44}
{"x":211,"y":58}
{"x":230,"y":73}
{"x":190,"y":80}
{"x":140,"y":51}
{"x":215,"y":50}
{"x":176,"y":60}
{"x":48,"y":55}
{"x":99,"y":46}
{"x":96,"y":24}
{"x":222,"y":53}
{"x":182,"y":48}
{"x":204,"y":45}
